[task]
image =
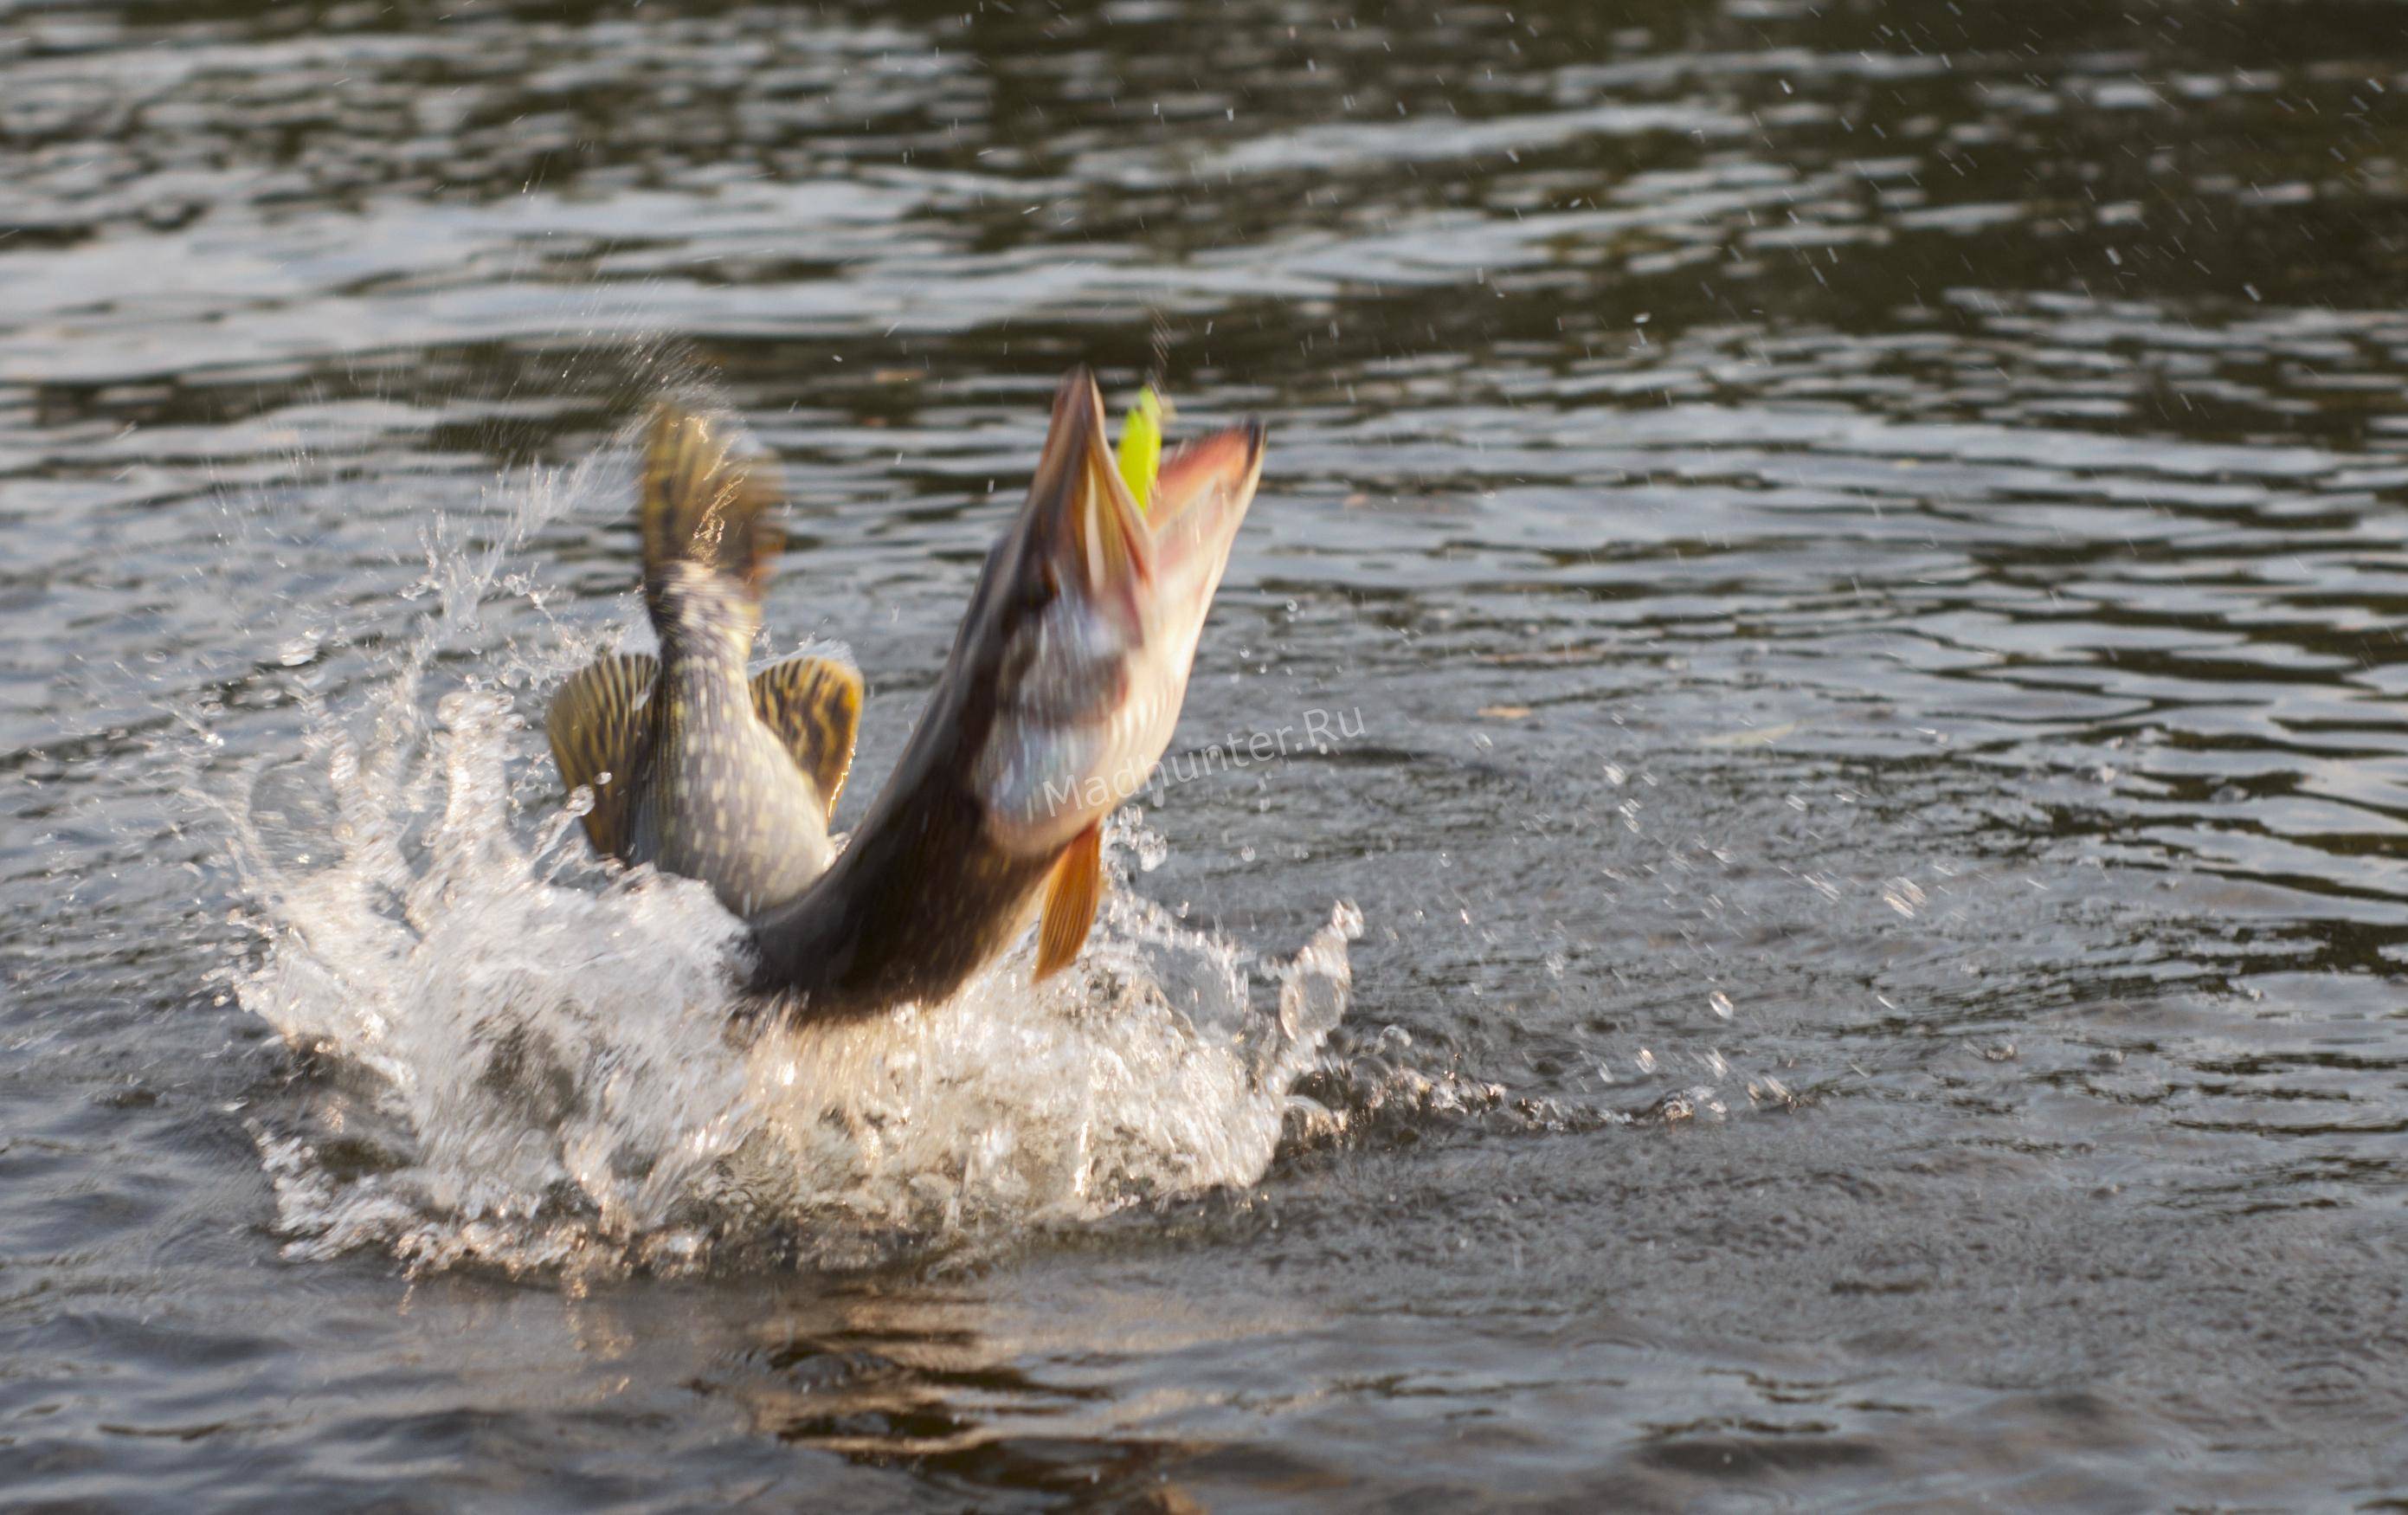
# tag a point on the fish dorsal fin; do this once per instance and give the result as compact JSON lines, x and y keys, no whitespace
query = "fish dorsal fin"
{"x":1070,"y":902}
{"x":813,"y":706}
{"x":702,"y":504}
{"x":600,"y":725}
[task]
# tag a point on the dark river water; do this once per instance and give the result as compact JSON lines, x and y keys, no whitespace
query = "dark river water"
{"x":1849,"y":556}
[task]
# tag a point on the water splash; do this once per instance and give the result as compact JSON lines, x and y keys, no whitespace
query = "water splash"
{"x":512,"y":1056}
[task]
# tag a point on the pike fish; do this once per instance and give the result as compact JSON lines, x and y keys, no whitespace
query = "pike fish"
{"x":1057,"y":699}
{"x":695,"y":766}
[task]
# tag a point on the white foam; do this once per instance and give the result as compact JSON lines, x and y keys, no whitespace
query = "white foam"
{"x":518,"y":1058}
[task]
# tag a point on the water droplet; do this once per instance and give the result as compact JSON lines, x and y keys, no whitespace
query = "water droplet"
{"x":1721,"y":1003}
{"x":1904,"y":896}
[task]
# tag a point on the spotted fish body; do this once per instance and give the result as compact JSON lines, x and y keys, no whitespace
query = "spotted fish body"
{"x":1057,"y":699}
{"x":726,"y":802}
{"x":693,"y":766}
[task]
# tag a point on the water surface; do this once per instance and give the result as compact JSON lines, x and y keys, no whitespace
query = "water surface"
{"x":1863,"y":544}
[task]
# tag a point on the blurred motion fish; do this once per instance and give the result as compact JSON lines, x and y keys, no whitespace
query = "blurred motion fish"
{"x":1060,"y":693}
{"x":692,"y":766}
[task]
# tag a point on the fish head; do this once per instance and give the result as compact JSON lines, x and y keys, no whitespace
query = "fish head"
{"x":1098,"y":606}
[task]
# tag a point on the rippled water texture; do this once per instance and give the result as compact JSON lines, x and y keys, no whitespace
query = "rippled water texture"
{"x":1851,"y":555}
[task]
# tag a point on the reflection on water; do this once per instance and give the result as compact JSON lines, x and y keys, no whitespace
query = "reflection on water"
{"x":1866,"y":537}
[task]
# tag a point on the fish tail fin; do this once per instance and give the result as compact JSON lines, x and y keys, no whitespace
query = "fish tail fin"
{"x":703,"y":505}
{"x":813,"y":706}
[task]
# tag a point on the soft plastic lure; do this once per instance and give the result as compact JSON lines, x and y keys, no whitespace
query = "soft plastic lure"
{"x":1141,"y":449}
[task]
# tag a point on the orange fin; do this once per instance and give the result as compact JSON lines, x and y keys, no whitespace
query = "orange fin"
{"x":1070,"y":902}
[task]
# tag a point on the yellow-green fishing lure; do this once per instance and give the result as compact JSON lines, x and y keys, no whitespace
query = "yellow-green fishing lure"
{"x":1141,"y":450}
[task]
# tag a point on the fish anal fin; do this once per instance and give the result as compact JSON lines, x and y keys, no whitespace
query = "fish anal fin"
{"x":1070,"y":899}
{"x":813,"y":706}
{"x":600,"y":725}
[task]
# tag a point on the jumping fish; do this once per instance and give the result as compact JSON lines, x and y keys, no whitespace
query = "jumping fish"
{"x":1057,"y":699}
{"x":692,"y":766}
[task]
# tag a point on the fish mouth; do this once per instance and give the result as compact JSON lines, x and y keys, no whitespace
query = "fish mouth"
{"x":1199,"y":499}
{"x":1155,"y":565}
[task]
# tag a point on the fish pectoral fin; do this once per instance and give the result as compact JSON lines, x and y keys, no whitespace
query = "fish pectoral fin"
{"x":1070,"y":902}
{"x":814,"y":706}
{"x":600,"y":724}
